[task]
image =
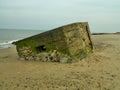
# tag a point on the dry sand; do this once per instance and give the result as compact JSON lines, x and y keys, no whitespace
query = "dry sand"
{"x":100,"y":71}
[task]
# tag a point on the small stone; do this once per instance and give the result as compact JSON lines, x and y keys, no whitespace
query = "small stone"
{"x":65,"y":60}
{"x":37,"y":58}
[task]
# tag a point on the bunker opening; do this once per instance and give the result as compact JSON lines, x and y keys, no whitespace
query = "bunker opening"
{"x":41,"y":48}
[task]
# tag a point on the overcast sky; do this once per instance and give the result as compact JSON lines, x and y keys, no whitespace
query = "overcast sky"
{"x":102,"y":15}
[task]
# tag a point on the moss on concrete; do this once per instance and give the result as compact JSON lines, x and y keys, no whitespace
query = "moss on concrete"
{"x":81,"y":54}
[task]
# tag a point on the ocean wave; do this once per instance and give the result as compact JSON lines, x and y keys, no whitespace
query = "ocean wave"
{"x":7,"y":44}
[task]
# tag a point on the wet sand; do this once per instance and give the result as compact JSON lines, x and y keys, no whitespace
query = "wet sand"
{"x":99,"y":71}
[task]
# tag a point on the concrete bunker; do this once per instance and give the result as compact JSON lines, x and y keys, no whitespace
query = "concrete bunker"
{"x":62,"y":44}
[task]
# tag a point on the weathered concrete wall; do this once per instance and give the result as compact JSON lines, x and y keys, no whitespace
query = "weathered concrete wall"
{"x":77,"y":37}
{"x":71,"y":40}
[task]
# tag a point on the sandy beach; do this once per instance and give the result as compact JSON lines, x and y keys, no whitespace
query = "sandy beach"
{"x":99,"y":71}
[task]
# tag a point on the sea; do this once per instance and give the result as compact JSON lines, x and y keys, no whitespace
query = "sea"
{"x":7,"y":36}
